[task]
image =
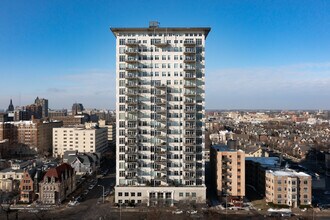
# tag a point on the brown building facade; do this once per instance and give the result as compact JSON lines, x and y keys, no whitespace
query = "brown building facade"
{"x":36,"y":134}
{"x":228,"y":172}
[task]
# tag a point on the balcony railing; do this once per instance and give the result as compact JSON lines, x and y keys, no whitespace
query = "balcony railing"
{"x":189,"y":68}
{"x":132,"y":60}
{"x":189,"y":85}
{"x":132,"y":68}
{"x":131,"y":52}
{"x":161,"y":43}
{"x":131,"y":43}
{"x":189,"y":43}
{"x":189,"y":51}
{"x":132,"y":85}
{"x":189,"y":60}
{"x":189,"y":76}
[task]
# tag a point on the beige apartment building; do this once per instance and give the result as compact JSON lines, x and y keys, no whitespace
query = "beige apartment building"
{"x":228,"y":167}
{"x":88,"y":138}
{"x":288,"y":187}
{"x":111,"y":131}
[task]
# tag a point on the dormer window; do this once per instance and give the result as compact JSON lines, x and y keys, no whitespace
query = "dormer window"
{"x":53,"y":180}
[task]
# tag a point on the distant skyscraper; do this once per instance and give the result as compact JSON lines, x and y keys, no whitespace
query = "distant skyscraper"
{"x":160,"y":114}
{"x":77,"y":108}
{"x":10,"y":107}
{"x":44,"y":104}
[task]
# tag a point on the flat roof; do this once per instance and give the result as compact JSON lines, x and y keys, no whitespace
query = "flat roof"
{"x":224,"y":148}
{"x":206,"y":30}
{"x":287,"y":172}
{"x":264,"y":161}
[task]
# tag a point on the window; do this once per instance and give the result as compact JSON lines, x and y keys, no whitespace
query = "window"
{"x":126,"y":193}
{"x":139,"y":194}
{"x":120,"y":194}
{"x":180,"y":194}
{"x":193,"y":195}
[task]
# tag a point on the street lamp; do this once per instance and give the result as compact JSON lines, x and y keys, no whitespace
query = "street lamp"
{"x":103,"y":193}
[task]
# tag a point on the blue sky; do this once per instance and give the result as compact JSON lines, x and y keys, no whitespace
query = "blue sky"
{"x":259,"y":54}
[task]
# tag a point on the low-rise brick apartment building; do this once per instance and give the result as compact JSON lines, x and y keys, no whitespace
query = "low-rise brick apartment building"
{"x":228,"y":167}
{"x":288,"y":187}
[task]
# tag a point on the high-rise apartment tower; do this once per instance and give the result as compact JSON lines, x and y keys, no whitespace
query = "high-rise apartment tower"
{"x":160,"y":110}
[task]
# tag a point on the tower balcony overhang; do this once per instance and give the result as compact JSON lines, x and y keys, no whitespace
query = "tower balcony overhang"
{"x":189,"y":86}
{"x":132,"y":85}
{"x":189,"y":76}
{"x":132,"y":69}
{"x":133,"y":43}
{"x":161,"y":44}
{"x":160,"y":86}
{"x":189,"y":43}
{"x":189,"y":69}
{"x":189,"y":51}
{"x":189,"y":60}
{"x":132,"y":52}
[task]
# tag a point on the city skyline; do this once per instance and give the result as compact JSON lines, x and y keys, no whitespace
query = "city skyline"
{"x":260,"y":55}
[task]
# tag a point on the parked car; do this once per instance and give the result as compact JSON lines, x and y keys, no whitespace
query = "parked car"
{"x":73,"y":203}
{"x":192,"y":212}
{"x":177,"y":212}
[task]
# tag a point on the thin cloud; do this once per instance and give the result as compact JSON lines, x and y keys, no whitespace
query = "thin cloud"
{"x":294,"y":86}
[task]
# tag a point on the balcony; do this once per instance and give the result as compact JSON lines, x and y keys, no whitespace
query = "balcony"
{"x":132,"y":102}
{"x":189,"y":76}
{"x":189,"y":85}
{"x":189,"y":177}
{"x":132,"y":43}
{"x":161,"y":152}
{"x":189,"y":43}
{"x":131,"y":160}
{"x":162,"y":119}
{"x":226,"y":159}
{"x":131,"y":127}
{"x":188,"y":59}
{"x":189,"y":152}
{"x":131,"y":152}
{"x":161,"y":43}
{"x":132,"y":76}
{"x":189,"y":102}
{"x":131,"y":144}
{"x":189,"y":51}
{"x":132,"y":68}
{"x":161,"y":111}
{"x":161,"y":128}
{"x":132,"y":85}
{"x":132,"y":60}
{"x":161,"y":161}
{"x":132,"y":52}
{"x":160,"y":86}
{"x":160,"y":103}
{"x":189,"y":68}
{"x":190,"y":119}
{"x":132,"y":94}
{"x":160,"y":178}
{"x":190,"y":110}
{"x":160,"y":94}
{"x":191,"y":135}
